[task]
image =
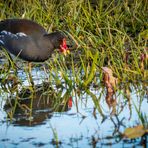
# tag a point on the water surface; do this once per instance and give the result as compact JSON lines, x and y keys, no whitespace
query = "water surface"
{"x":80,"y":124}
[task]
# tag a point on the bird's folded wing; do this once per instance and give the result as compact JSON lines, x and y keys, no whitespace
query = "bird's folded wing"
{"x":15,"y":43}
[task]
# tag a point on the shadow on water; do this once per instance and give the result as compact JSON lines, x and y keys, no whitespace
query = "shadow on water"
{"x":63,"y":117}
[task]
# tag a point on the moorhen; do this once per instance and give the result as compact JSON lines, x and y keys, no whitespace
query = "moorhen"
{"x":30,"y":41}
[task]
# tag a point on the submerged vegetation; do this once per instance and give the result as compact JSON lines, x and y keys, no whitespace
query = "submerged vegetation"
{"x":109,"y":53}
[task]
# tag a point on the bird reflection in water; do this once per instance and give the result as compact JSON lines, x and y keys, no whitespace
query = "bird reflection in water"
{"x":34,"y":108}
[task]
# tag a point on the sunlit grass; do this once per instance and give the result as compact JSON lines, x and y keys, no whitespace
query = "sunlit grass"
{"x":111,"y":34}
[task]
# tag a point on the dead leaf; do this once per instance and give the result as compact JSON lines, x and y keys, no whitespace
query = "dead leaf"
{"x":143,"y":59}
{"x":109,"y":80}
{"x":134,"y":132}
{"x":107,"y":70}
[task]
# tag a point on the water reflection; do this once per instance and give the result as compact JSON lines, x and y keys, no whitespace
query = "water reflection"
{"x":31,"y":108}
{"x":93,"y":117}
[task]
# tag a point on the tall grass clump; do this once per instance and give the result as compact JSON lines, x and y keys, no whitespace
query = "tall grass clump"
{"x":101,"y":34}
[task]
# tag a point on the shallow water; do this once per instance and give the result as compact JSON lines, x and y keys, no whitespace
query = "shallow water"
{"x":77,"y":125}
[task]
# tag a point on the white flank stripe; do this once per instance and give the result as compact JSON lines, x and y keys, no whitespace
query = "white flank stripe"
{"x":1,"y":42}
{"x":4,"y":32}
{"x":21,"y":34}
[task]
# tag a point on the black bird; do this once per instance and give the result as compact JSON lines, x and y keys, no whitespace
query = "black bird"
{"x":30,"y":41}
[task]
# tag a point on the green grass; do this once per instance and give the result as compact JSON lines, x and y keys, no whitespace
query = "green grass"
{"x":111,"y":29}
{"x":111,"y":33}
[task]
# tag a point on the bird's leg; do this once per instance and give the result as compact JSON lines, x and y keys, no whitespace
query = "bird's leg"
{"x":29,"y":73}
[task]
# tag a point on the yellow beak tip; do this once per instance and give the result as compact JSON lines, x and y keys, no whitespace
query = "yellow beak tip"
{"x":66,"y":52}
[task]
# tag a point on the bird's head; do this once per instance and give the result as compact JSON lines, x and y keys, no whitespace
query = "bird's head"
{"x":58,"y":41}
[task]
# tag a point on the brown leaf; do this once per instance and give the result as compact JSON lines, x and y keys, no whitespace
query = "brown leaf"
{"x":134,"y":132}
{"x":109,"y":80}
{"x":107,"y":70}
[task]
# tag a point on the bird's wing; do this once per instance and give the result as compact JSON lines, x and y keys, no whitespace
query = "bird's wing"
{"x":15,"y":43}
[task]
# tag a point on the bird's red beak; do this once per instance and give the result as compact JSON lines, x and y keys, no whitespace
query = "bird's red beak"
{"x":63,"y":47}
